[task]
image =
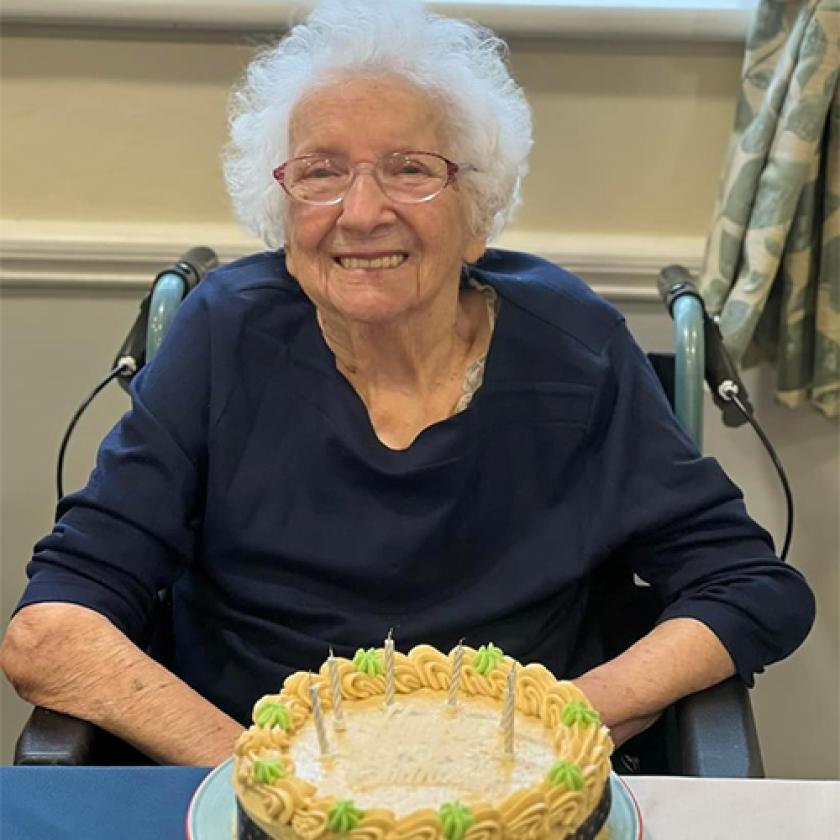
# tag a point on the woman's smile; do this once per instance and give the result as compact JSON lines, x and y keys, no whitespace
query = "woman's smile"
{"x":367,"y":263}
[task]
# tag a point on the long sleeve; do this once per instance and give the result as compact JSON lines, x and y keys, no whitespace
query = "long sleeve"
{"x":682,"y":526}
{"x":133,"y":529}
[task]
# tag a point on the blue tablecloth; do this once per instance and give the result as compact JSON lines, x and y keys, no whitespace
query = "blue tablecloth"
{"x":95,"y":803}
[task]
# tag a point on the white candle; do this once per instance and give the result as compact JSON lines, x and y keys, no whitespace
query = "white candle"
{"x":389,"y":670}
{"x":318,"y":717}
{"x":335,"y":687}
{"x":455,"y":682}
{"x":508,"y":709}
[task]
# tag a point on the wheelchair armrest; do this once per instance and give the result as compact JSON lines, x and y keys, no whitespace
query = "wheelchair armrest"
{"x":55,"y":738}
{"x":717,"y":733}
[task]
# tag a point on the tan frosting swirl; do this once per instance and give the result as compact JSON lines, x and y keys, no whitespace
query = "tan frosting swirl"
{"x":290,"y":804}
{"x":492,"y":685}
{"x":526,"y":815}
{"x":564,"y":807}
{"x":259,"y":738}
{"x":582,"y":744}
{"x":377,"y":824}
{"x":245,"y":768}
{"x":431,"y":668}
{"x":311,"y":822}
{"x":488,"y":825}
{"x":532,"y":682}
{"x":406,"y":678}
{"x":421,"y":825}
{"x":295,"y":695}
{"x":354,"y":684}
{"x":280,"y":801}
{"x":357,"y":686}
{"x":556,"y":698}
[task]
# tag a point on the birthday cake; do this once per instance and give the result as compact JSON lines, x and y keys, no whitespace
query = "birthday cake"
{"x":469,"y":745}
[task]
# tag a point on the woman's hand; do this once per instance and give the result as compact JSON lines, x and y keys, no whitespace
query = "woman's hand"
{"x":628,"y":729}
{"x":678,"y":657}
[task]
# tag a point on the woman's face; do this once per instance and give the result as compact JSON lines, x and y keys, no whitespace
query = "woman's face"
{"x":365,"y":119}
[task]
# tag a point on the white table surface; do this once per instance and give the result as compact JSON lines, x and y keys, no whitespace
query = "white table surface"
{"x":679,"y":808}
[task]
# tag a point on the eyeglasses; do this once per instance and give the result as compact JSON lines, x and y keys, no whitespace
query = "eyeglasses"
{"x":405,"y":177}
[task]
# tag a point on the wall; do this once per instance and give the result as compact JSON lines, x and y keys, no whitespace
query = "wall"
{"x":109,"y":167}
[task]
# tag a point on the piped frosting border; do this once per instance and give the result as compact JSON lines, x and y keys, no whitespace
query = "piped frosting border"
{"x":553,"y":807}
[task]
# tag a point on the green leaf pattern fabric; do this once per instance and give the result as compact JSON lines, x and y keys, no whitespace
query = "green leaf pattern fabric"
{"x":771,"y":270}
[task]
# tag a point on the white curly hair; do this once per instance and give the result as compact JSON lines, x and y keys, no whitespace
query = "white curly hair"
{"x":455,"y":61}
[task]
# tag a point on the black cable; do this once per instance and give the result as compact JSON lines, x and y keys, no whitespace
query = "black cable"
{"x":115,"y":372}
{"x":731,"y":395}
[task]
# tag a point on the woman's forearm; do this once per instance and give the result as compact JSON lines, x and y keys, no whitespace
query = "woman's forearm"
{"x":72,"y":659}
{"x":678,"y":657}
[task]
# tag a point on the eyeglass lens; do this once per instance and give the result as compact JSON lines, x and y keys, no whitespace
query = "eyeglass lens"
{"x":402,"y":177}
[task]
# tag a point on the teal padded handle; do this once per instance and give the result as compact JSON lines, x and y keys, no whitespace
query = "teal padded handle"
{"x":690,"y":359}
{"x":170,"y":289}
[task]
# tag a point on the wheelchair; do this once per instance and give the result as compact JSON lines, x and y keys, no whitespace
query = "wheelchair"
{"x":711,"y":733}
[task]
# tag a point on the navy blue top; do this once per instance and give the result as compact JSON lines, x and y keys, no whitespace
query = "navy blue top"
{"x":247,"y":477}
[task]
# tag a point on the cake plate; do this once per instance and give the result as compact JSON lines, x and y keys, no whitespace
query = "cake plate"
{"x":212,"y":811}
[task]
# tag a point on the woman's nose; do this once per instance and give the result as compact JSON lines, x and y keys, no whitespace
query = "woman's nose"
{"x":365,"y":206}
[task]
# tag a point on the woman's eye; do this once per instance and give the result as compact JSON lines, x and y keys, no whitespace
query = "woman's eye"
{"x":321,"y":172}
{"x":411,"y":167}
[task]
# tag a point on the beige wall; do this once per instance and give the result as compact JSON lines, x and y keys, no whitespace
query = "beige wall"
{"x":98,"y":126}
{"x":125,"y":127}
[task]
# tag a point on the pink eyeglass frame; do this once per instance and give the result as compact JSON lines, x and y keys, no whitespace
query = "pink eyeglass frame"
{"x":452,"y":170}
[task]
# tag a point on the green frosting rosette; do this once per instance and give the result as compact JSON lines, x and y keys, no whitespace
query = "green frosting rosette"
{"x":455,"y":820}
{"x":272,"y":713}
{"x":577,"y":712}
{"x":566,"y":773}
{"x":486,"y":658}
{"x":368,"y":662}
{"x":344,"y":817}
{"x":268,"y":770}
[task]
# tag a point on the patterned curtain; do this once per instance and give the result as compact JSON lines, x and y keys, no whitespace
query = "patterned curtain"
{"x":772,"y":265}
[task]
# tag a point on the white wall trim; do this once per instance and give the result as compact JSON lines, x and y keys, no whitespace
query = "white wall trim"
{"x":697,"y":20}
{"x":64,"y":256}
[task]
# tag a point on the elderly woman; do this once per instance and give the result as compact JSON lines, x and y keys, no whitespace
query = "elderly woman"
{"x":381,"y":424}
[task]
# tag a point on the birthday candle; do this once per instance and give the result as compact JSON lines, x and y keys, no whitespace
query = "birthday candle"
{"x":389,"y":670}
{"x":455,"y":682}
{"x":318,"y":717}
{"x":335,"y":687}
{"x":507,"y":710}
